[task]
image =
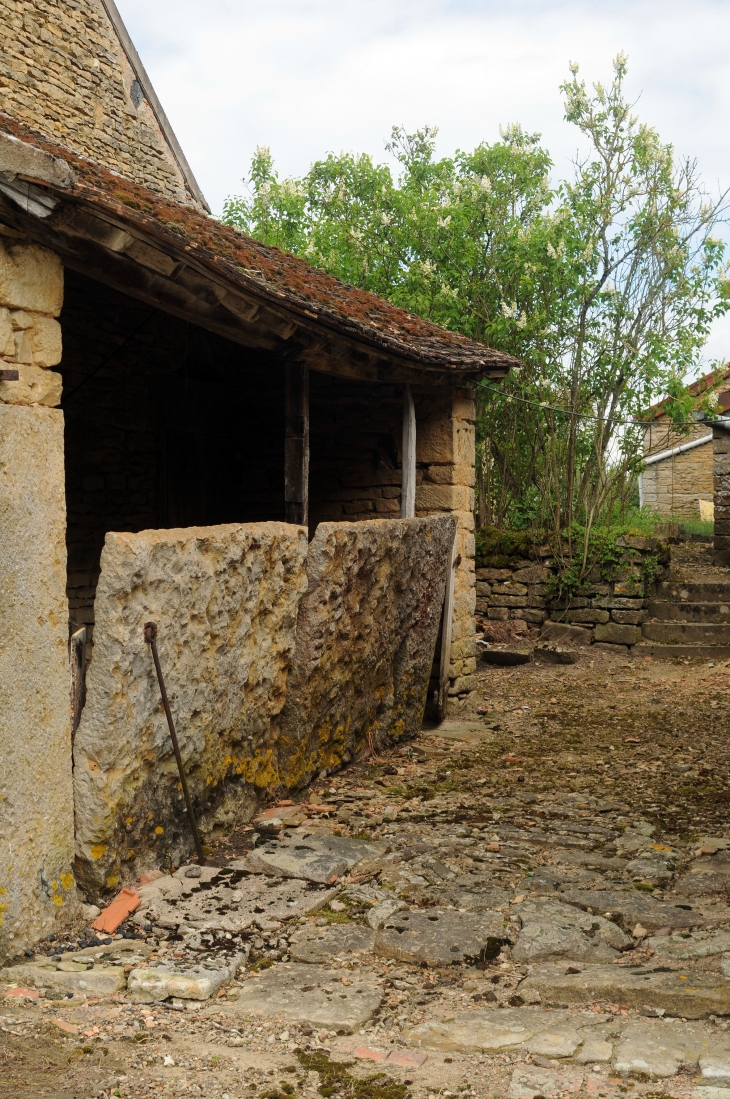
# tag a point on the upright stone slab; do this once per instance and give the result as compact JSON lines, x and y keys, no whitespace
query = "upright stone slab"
{"x":365,"y":638}
{"x":36,"y":815}
{"x":225,"y":600}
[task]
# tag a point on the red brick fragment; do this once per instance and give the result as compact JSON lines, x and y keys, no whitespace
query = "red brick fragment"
{"x":122,"y":906}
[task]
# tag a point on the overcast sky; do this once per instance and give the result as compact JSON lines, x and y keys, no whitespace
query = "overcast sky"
{"x":309,"y":76}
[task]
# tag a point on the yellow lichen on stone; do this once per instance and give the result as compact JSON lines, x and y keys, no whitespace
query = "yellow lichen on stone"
{"x":98,"y":850}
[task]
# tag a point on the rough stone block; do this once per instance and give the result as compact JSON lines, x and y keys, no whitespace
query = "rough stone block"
{"x":36,"y":811}
{"x":225,"y":600}
{"x":436,"y":441}
{"x":437,"y":498}
{"x":494,"y":574}
{"x":629,"y":618}
{"x":441,"y":936}
{"x":616,"y":634}
{"x":34,"y":386}
{"x":151,"y":985}
{"x":7,"y":340}
{"x":590,"y":615}
{"x":569,"y":635}
{"x":45,"y":341}
{"x":31,"y":277}
{"x":366,"y":637}
{"x":532,"y":614}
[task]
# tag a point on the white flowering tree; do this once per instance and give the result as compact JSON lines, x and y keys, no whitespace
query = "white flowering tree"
{"x":605,"y":285}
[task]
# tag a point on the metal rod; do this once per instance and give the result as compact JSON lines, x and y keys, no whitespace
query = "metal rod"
{"x":150,"y":636}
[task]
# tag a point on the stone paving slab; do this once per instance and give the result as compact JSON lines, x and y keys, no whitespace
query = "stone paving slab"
{"x":706,"y":875}
{"x":698,"y":944}
{"x":321,"y":944}
{"x":531,"y":1029}
{"x":312,"y":995}
{"x":313,"y":858}
{"x":552,"y":930}
{"x":440,"y":936}
{"x":659,"y":1048}
{"x":164,"y":982}
{"x":228,"y":900}
{"x":101,"y":981}
{"x":689,"y":996}
{"x":631,"y":907}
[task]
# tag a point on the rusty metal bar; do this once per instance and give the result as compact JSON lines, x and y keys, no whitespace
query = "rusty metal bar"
{"x":150,"y":636}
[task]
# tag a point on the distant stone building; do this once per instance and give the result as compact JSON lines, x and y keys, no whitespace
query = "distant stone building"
{"x":677,"y":481}
{"x":159,"y":370}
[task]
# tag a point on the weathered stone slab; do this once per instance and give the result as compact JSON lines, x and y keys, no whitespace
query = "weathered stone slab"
{"x":313,"y":995}
{"x":440,"y":936}
{"x":34,"y":386}
{"x":36,"y":809}
{"x":31,"y":277}
{"x":689,"y":996}
{"x":366,"y":636}
{"x":311,"y":857}
{"x":532,"y":1029}
{"x":101,"y":980}
{"x":225,"y":600}
{"x":659,"y":1048}
{"x":227,"y":900}
{"x":697,"y":944}
{"x":471,"y":892}
{"x":322,"y":944}
{"x":163,"y":982}
{"x":706,"y":875}
{"x":380,"y":913}
{"x":551,"y":930}
{"x":296,"y":860}
{"x":631,"y":907}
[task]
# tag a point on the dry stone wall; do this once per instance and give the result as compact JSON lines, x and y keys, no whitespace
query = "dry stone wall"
{"x":225,"y":600}
{"x":365,"y":639}
{"x":63,"y":72}
{"x":607,"y":611}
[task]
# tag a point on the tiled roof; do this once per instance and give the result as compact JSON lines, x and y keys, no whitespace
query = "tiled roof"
{"x":268,"y":273}
{"x":698,"y":387}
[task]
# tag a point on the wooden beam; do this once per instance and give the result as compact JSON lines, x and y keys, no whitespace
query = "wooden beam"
{"x":408,"y":484}
{"x":296,"y":453}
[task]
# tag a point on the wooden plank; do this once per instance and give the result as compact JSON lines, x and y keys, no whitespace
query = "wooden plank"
{"x":296,"y":453}
{"x":446,"y":622}
{"x":408,"y":484}
{"x":77,"y":659}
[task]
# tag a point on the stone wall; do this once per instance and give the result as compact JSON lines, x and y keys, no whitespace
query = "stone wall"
{"x":721,"y":488}
{"x":365,"y":639}
{"x":31,"y":297}
{"x":36,"y":815}
{"x":266,"y":687}
{"x":225,"y":600}
{"x":609,"y":611}
{"x":674,"y":486}
{"x":63,"y":72}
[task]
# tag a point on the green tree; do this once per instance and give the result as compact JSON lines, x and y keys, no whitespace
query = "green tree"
{"x":605,"y":286}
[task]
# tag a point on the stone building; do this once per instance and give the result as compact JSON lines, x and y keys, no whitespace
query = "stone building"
{"x":161,"y":371}
{"x":677,"y":481}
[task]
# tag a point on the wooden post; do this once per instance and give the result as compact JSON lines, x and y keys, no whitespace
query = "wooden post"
{"x":77,"y":658}
{"x":296,"y":453}
{"x":448,"y":614}
{"x":408,"y":484}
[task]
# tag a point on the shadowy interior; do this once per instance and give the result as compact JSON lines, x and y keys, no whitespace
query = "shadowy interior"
{"x":169,"y":425}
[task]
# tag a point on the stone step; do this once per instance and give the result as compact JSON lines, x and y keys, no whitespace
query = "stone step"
{"x":700,"y":591}
{"x":681,"y":652}
{"x":687,"y":633}
{"x":689,"y":612}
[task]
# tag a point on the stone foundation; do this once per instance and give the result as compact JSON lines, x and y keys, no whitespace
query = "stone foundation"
{"x":721,"y":479}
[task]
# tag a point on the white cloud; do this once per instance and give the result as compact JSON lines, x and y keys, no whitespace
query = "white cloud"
{"x":308,"y":76}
